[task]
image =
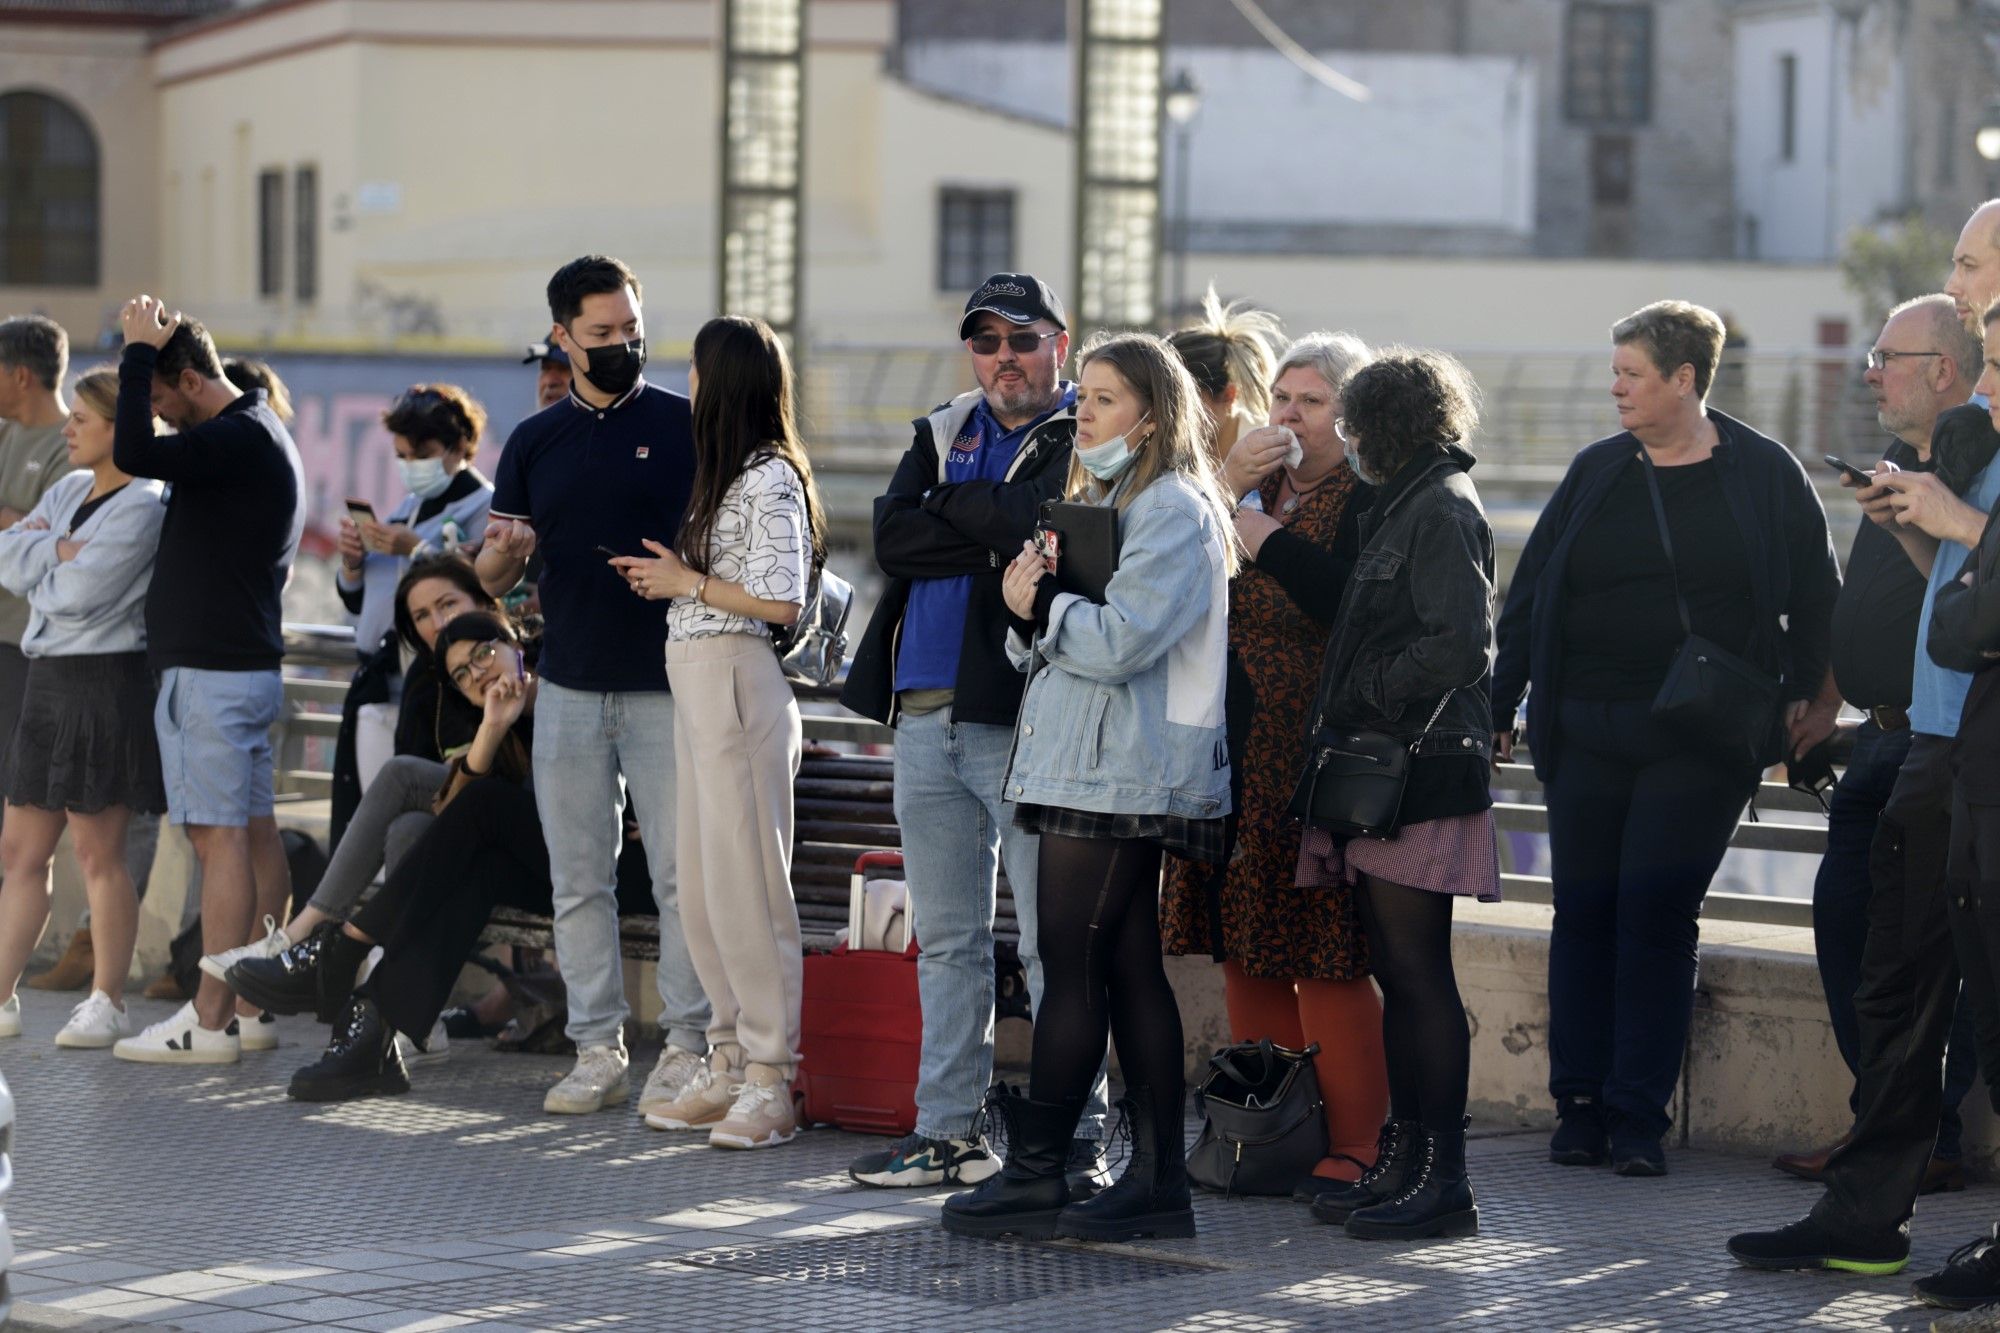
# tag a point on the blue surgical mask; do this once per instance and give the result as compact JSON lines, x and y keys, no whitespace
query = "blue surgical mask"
{"x":425,"y":477}
{"x":1106,"y":461}
{"x":1354,"y":461}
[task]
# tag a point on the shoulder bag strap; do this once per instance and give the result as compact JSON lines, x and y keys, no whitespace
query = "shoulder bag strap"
{"x":1666,"y":540}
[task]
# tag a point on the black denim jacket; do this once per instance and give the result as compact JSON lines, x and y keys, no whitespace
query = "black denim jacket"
{"x":1418,"y":621}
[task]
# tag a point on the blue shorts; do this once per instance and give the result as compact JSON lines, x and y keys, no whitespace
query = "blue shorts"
{"x":215,"y":743}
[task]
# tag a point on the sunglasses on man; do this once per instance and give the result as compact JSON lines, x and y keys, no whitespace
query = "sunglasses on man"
{"x":1021,"y":344}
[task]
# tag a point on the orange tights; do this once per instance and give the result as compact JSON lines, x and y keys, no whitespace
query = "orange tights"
{"x":1345,"y":1018}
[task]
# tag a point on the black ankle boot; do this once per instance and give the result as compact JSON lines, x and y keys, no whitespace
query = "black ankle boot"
{"x":1151,"y":1197}
{"x":360,"y":1061}
{"x":291,"y":981}
{"x":1085,"y":1172}
{"x":1436,"y":1202}
{"x":1395,"y":1162}
{"x":1031,"y":1189}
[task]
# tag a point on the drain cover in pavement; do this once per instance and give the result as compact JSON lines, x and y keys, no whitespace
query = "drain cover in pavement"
{"x":935,"y":1265}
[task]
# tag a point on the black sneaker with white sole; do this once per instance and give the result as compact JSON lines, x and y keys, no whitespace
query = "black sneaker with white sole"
{"x":916,"y":1160}
{"x":1969,"y":1278}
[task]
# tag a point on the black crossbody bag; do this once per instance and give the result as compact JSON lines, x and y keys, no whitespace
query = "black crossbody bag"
{"x":1711,"y":698}
{"x":1354,"y":779}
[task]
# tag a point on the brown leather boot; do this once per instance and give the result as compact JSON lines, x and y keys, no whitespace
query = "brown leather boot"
{"x":72,"y":971}
{"x":165,"y":987}
{"x":1944,"y":1175}
{"x":1808,"y":1165}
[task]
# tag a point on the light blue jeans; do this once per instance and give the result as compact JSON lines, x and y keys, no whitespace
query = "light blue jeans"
{"x":955,"y":829}
{"x":588,"y":746}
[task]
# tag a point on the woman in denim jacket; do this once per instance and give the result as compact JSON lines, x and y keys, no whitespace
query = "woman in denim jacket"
{"x":1409,"y":657}
{"x":1119,"y":755}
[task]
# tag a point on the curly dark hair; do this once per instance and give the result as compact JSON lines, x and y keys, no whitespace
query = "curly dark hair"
{"x":441,"y":414}
{"x":1404,"y":402}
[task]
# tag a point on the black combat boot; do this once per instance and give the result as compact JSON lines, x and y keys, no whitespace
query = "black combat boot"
{"x":314,"y":975}
{"x":1437,"y":1201}
{"x":1395,"y":1159}
{"x":1024,"y":1199}
{"x":360,"y":1061}
{"x":1151,"y":1197}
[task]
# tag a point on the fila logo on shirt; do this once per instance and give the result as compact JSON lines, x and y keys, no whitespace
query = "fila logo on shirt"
{"x":642,"y":452}
{"x":966,"y":446}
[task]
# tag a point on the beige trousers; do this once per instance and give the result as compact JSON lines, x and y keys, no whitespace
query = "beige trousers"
{"x":736,"y":752}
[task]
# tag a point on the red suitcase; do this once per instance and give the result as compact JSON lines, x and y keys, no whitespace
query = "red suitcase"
{"x":862,"y":1032}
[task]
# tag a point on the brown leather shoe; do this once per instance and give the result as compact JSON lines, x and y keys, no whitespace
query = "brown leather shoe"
{"x":1810,"y":1165}
{"x":1944,"y":1175}
{"x":72,"y":971}
{"x":164,"y":987}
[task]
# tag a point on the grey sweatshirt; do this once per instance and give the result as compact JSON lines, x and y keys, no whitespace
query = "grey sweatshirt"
{"x":95,"y":603}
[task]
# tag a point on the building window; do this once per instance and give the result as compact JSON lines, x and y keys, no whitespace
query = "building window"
{"x":975,"y":236}
{"x":1788,"y":108}
{"x":48,"y":194}
{"x":305,"y":241}
{"x":270,"y":233}
{"x":1608,"y":64}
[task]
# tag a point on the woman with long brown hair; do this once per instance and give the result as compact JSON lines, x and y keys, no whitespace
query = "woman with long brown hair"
{"x":748,"y":544}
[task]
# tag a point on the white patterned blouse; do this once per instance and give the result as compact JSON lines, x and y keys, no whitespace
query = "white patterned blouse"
{"x":759,"y":541}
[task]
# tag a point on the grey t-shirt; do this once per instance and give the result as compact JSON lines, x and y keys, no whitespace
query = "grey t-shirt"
{"x":32,"y":459}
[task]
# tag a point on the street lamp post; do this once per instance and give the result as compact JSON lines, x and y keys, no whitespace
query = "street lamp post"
{"x":1987,"y":141}
{"x":1182,"y":103}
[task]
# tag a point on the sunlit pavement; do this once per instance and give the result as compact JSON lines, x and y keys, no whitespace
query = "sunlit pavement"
{"x":202,"y":1199}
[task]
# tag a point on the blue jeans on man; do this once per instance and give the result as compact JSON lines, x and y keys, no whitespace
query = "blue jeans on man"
{"x":588,"y":747}
{"x":956,"y":831}
{"x":1840,"y":919}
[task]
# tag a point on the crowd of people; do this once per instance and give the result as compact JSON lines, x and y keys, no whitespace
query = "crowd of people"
{"x":1303,"y":569}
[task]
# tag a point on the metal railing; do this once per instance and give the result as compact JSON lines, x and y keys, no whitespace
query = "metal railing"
{"x":319,"y":659}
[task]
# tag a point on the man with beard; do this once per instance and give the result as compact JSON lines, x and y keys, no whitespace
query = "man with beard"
{"x":934,"y":665}
{"x":214,"y":633}
{"x":600,"y":473}
{"x":551,"y":364}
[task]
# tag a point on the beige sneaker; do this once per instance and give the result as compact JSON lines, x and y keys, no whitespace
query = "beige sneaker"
{"x":668,"y":1080}
{"x":703,"y":1101}
{"x":762,"y":1115}
{"x":599,"y":1080}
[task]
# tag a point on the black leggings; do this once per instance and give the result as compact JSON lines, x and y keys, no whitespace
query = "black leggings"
{"x":1099,"y":934}
{"x":1423,"y":1020}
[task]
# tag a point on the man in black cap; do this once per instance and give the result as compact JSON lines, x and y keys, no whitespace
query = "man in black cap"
{"x":934,"y":665}
{"x":552,"y":385}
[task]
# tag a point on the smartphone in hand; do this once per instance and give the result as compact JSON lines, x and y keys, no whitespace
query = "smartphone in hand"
{"x":1851,"y":472}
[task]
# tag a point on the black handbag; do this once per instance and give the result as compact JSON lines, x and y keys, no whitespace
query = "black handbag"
{"x":1263,"y":1126}
{"x":1713,"y":699}
{"x":1354,"y":779}
{"x":812,"y":649}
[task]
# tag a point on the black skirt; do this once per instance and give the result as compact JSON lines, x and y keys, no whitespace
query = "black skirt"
{"x":85,"y":741}
{"x":1195,"y":839}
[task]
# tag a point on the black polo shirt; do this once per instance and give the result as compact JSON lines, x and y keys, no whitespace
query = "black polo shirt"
{"x":1875,"y":617}
{"x":585,"y":477}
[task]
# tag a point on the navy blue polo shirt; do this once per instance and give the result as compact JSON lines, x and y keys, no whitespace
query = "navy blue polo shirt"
{"x":585,"y":477}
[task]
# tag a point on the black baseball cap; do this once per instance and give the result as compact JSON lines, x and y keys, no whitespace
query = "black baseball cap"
{"x":545,"y":351}
{"x":1020,"y":298}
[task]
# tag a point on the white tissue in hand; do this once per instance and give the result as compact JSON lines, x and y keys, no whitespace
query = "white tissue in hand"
{"x":1295,"y":452}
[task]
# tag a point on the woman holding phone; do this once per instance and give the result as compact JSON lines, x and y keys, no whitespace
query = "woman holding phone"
{"x":1120,"y":756}
{"x":752,"y":535}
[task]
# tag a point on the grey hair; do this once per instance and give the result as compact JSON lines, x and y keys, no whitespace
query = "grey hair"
{"x":38,"y":343}
{"x":1336,"y":356}
{"x":1947,"y":332}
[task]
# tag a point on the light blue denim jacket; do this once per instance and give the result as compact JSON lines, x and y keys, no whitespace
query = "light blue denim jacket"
{"x":1123,"y":712}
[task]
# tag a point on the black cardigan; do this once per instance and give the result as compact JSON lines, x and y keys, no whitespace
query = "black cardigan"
{"x":1793,"y":573}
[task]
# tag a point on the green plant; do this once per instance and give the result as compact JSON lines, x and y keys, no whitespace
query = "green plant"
{"x":1895,"y":261}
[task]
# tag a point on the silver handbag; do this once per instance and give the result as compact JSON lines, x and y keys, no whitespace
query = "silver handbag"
{"x":812,"y":649}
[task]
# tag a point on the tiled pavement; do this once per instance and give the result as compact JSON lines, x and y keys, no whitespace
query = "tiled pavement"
{"x":204,"y":1200}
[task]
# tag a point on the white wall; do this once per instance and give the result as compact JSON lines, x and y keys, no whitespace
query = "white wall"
{"x":1444,"y":140}
{"x":1803,"y":211}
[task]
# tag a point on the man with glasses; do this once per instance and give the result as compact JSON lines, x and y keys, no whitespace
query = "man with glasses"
{"x":1922,"y":365}
{"x":934,"y":665}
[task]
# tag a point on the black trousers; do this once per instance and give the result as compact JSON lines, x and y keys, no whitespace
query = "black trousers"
{"x":484,"y":851}
{"x":1972,"y":906}
{"x":1909,"y":989}
{"x":1638,"y":823}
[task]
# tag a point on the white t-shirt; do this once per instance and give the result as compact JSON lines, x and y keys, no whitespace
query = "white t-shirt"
{"x":759,"y":541}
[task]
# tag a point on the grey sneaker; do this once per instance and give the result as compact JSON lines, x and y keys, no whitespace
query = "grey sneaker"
{"x":669,"y":1079}
{"x":599,"y":1080}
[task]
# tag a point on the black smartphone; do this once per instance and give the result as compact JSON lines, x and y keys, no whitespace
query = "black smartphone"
{"x":606,"y":552}
{"x":1854,"y":473}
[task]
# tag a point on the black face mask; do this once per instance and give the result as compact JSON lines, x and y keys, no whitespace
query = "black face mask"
{"x":614,"y":367}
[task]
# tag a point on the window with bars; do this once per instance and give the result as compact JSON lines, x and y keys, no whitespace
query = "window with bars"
{"x":305,"y":240}
{"x":270,"y":233}
{"x":975,"y":236}
{"x":49,"y":182}
{"x":1608,"y":64}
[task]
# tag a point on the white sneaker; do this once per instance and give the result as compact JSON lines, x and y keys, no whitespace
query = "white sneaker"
{"x":275,"y":942}
{"x":599,"y":1080}
{"x":180,"y":1040}
{"x":259,"y":1034}
{"x":435,"y":1050}
{"x":95,"y":1024}
{"x":669,"y":1079}
{"x":10,"y":1016}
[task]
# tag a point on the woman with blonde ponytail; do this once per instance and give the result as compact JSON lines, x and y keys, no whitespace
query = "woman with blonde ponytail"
{"x":1230,"y":353}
